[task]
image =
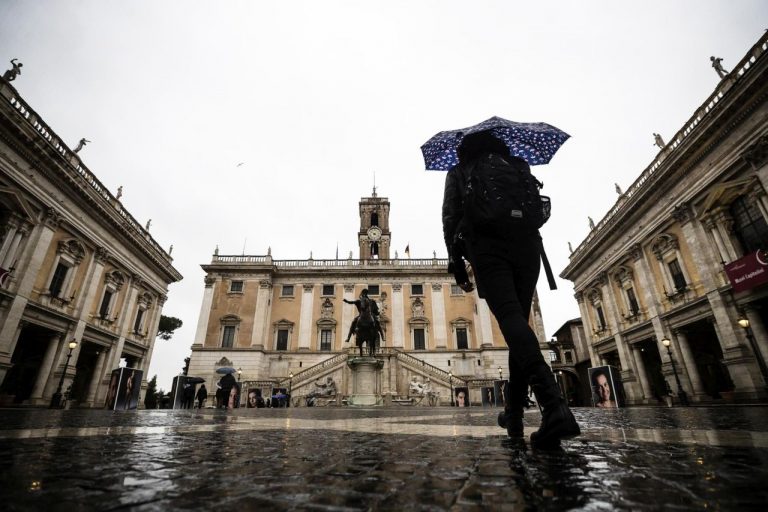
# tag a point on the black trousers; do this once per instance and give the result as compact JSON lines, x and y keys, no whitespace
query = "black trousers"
{"x":506,"y":272}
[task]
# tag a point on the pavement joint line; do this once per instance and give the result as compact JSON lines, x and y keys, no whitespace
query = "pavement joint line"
{"x":405,"y":425}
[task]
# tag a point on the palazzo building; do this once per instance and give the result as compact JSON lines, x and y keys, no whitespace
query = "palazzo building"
{"x":672,"y":283}
{"x":75,"y":267}
{"x":284,"y":322}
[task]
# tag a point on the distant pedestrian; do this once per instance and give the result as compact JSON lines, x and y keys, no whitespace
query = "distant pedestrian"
{"x":202,"y":396}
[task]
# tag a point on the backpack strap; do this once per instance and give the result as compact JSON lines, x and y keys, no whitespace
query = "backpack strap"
{"x":547,"y":268}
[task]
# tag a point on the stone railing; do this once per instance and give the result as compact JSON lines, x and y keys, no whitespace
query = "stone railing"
{"x":301,"y":378}
{"x":439,"y":263}
{"x":422,"y":365}
{"x":9,"y":94}
{"x":649,"y":175}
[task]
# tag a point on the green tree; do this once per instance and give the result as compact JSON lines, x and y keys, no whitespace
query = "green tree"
{"x":150,"y":399}
{"x":168,"y":324}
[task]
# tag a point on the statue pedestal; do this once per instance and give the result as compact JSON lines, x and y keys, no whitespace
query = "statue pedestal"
{"x":365,"y":381}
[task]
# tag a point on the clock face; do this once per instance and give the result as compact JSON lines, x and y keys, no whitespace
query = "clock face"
{"x":374,"y":233}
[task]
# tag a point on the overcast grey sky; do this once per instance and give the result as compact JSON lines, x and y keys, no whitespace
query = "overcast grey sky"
{"x":316,"y":96}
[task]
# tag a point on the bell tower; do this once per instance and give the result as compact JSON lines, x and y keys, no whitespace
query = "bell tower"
{"x":374,"y":236}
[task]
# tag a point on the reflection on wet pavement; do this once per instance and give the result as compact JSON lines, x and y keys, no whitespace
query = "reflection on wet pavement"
{"x":380,"y":459}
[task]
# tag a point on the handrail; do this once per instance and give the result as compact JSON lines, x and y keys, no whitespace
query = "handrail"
{"x":705,"y":110}
{"x":73,"y":161}
{"x":420,"y":363}
{"x":304,"y":375}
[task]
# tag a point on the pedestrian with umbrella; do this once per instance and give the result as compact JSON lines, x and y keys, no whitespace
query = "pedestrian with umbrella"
{"x":225,"y":385}
{"x":202,"y":396}
{"x":492,"y":212}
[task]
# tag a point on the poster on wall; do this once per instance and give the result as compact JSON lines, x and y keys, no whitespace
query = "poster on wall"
{"x":254,"y":399}
{"x":498,"y":392}
{"x":461,"y":397}
{"x":124,"y":389}
{"x":607,"y":390}
{"x":489,"y":396}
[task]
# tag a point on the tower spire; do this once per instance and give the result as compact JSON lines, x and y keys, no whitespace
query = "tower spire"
{"x":374,"y":184}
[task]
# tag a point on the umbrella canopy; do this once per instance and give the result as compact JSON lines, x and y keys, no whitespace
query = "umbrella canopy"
{"x":536,"y":143}
{"x":225,"y":370}
{"x":195,"y":380}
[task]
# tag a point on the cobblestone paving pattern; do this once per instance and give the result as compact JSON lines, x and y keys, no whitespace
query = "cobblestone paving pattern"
{"x":400,"y":458}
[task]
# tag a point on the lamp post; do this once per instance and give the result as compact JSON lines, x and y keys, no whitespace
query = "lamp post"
{"x":744,"y":324}
{"x":450,"y":384}
{"x":56,"y":398}
{"x":290,"y":388}
{"x":500,"y":374}
{"x":239,"y":373}
{"x":680,"y":391}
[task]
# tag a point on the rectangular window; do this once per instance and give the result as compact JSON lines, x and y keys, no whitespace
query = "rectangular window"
{"x":678,"y":279}
{"x":282,"y":339}
{"x":568,"y":357}
{"x":419,"y":340}
{"x":373,"y":289}
{"x":287,"y":290}
{"x":600,"y":318}
{"x":553,"y":356}
{"x":137,"y":323}
{"x":328,"y":290}
{"x":104,"y":309}
{"x":228,"y":337}
{"x":632,"y":300}
{"x":461,"y":338}
{"x":417,"y":289}
{"x":326,"y":339}
{"x":57,"y":282}
{"x":236,"y":287}
{"x":456,"y":289}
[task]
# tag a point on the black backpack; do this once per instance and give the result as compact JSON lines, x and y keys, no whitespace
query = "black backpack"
{"x":501,"y":195}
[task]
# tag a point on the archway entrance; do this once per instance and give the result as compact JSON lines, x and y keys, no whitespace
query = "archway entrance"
{"x":27,"y":359}
{"x":708,"y":355}
{"x":649,"y":352}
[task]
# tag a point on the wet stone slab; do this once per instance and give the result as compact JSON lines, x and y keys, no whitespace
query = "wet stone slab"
{"x":379,"y":459}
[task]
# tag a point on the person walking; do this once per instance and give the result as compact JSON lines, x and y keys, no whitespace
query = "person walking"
{"x":202,"y":396}
{"x":505,"y":259}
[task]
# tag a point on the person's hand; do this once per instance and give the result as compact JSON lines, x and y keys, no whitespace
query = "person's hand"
{"x":467,"y":286}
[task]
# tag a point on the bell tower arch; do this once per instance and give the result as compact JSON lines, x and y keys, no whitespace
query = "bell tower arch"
{"x":374,"y":236}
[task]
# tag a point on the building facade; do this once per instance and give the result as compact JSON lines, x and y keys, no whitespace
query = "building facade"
{"x":284,"y":323}
{"x":653,"y":279}
{"x":75,"y":266}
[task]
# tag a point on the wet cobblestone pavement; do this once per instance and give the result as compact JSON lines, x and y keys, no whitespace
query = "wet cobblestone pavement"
{"x":400,"y":458}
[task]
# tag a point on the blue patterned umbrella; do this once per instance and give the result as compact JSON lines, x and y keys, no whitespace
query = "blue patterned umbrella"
{"x":536,"y":143}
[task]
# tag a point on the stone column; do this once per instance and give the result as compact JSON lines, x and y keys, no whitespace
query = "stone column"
{"x":258,"y":336}
{"x":641,"y":373}
{"x":11,"y":227}
{"x":9,"y":332}
{"x":44,"y":373}
{"x":593,"y":357}
{"x":759,"y":332}
{"x":97,"y":378}
{"x":483,"y":321}
{"x":305,"y":317}
{"x":613,"y":317}
{"x":205,"y":311}
{"x":703,"y":257}
{"x":13,"y":248}
{"x":398,"y":316}
{"x":438,"y":316}
{"x":688,"y":363}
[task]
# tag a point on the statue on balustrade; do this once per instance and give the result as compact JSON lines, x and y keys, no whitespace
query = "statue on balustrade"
{"x":15,"y":70}
{"x":717,"y":64}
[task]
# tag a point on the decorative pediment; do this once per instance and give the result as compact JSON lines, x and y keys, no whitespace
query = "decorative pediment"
{"x":230,"y":320}
{"x":326,"y":309}
{"x":115,"y":278}
{"x":623,"y":274}
{"x":723,"y":194}
{"x":417,"y":308}
{"x":224,"y":362}
{"x":663,"y":244}
{"x":594,"y":295}
{"x":72,"y":248}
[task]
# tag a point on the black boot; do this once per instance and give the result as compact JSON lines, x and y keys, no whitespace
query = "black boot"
{"x":557,"y":421}
{"x":512,"y":416}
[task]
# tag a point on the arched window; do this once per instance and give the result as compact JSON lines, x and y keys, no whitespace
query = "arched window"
{"x":374,"y":219}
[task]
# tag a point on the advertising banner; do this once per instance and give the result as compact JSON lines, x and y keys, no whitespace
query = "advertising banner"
{"x":461,"y":397}
{"x":748,"y":272}
{"x":488,"y":394}
{"x":498,"y":392}
{"x":124,"y":389}
{"x":607,"y":390}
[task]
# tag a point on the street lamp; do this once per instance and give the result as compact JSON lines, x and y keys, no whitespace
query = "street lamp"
{"x":744,"y":324}
{"x":56,"y":398}
{"x":680,"y":391}
{"x":239,"y":373}
{"x":500,"y":374}
{"x":450,"y":384}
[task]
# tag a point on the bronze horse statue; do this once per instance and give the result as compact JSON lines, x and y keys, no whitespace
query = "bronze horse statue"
{"x":366,"y":329}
